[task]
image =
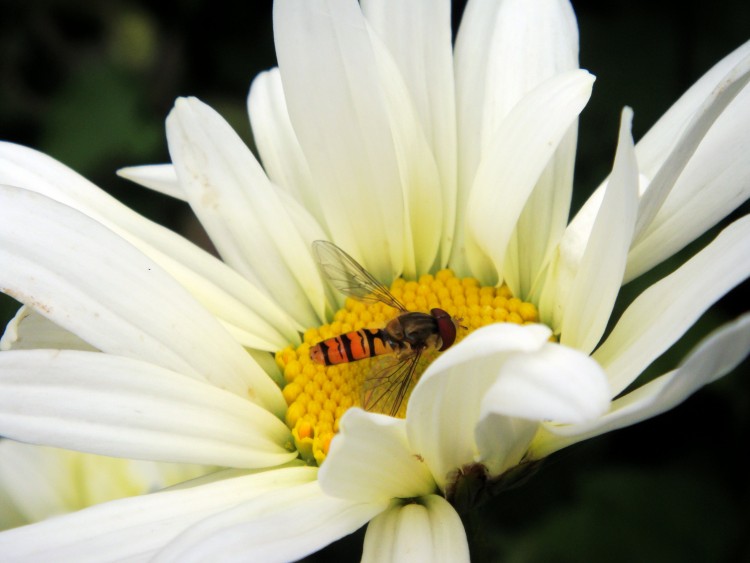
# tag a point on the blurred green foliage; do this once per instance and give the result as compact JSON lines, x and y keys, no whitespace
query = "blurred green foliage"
{"x":90,"y":83}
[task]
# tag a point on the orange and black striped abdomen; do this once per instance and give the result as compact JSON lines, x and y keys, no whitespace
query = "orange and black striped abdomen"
{"x":350,"y":347}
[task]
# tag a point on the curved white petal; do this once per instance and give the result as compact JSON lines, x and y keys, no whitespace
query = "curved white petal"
{"x":279,"y":149}
{"x":714,"y":182}
{"x":338,"y":109}
{"x":537,"y":40}
{"x":110,"y":405}
{"x":136,"y":528}
{"x":695,"y":130}
{"x":428,"y":530}
{"x":88,"y":280}
{"x":418,"y":37}
{"x":718,"y":184}
{"x":589,"y":300}
{"x":282,"y":525}
{"x":552,"y":383}
{"x":445,"y":406}
{"x":512,"y":164}
{"x":693,"y":165}
{"x":29,"y":330}
{"x":370,"y":460}
{"x":662,"y":313}
{"x":220,"y":289}
{"x":504,"y":50}
{"x":161,"y":178}
{"x":714,"y":357}
{"x":654,"y":146}
{"x":242,"y":211}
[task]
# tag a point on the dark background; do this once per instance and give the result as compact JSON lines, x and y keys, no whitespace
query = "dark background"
{"x":90,"y":83}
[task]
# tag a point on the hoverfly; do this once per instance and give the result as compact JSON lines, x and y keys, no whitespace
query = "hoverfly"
{"x":403,"y":340}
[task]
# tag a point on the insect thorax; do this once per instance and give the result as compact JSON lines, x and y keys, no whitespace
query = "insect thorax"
{"x":418,"y":330}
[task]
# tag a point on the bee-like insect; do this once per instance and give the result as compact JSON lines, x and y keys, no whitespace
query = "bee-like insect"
{"x":404,"y":338}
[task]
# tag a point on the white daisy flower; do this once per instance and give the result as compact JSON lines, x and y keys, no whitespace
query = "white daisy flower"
{"x":447,"y":174}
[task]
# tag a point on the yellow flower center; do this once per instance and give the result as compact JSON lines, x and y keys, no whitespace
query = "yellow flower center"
{"x":318,"y":395}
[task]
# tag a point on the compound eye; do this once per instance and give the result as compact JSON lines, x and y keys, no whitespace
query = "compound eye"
{"x":446,"y":328}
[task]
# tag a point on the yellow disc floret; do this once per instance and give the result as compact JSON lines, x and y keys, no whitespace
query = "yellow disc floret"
{"x":319,"y":395}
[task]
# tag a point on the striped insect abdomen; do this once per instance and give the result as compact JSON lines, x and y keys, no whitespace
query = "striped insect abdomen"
{"x":350,"y":347}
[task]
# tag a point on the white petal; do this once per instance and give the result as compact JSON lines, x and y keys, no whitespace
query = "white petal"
{"x":588,"y":302}
{"x":93,"y":402}
{"x":283,"y":525}
{"x":240,"y":305}
{"x":370,"y":460}
{"x":161,"y":178}
{"x":418,"y":37}
{"x":502,"y":441}
{"x":538,"y":40}
{"x":282,"y":156}
{"x":703,"y":119}
{"x":702,"y":183}
{"x":242,"y":211}
{"x":512,"y":164}
{"x":489,"y":341}
{"x":35,"y":481}
{"x":428,"y":530}
{"x":543,"y":219}
{"x":279,"y":149}
{"x":29,"y":330}
{"x":91,"y":282}
{"x":662,"y":313}
{"x":219,"y":288}
{"x":654,"y":147}
{"x":44,"y":482}
{"x":713,"y":183}
{"x":11,"y":515}
{"x":138,"y":527}
{"x":503,"y":51}
{"x":445,"y":406}
{"x":417,"y":168}
{"x":552,"y":383}
{"x":337,"y":107}
{"x":713,"y":358}
{"x":267,"y":362}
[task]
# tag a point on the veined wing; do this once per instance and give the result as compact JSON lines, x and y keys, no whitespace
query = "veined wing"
{"x":351,"y":279}
{"x":386,"y":388}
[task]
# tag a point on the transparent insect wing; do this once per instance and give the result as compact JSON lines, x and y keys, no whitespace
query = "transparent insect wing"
{"x":388,"y":385}
{"x":351,"y":279}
